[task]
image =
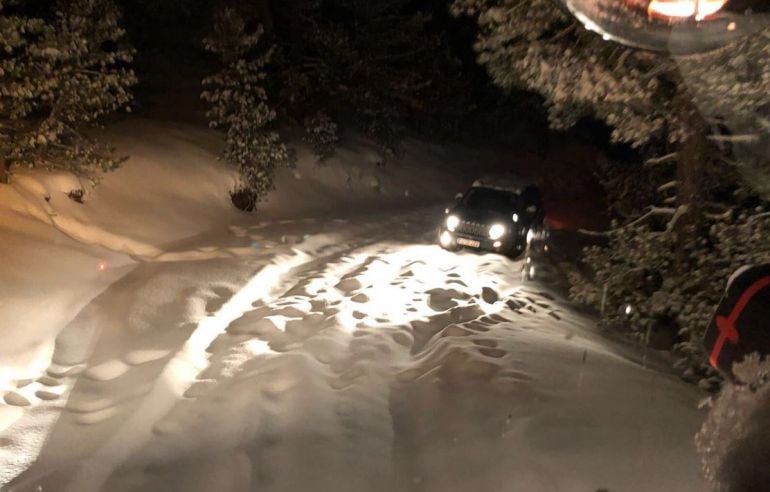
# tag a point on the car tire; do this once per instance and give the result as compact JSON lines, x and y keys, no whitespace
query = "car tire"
{"x":516,"y":251}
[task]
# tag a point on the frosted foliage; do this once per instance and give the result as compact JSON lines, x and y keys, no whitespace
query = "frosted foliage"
{"x":322,"y":133}
{"x":534,"y":45}
{"x":733,"y":441}
{"x":638,"y":269}
{"x":239,"y":104}
{"x":377,"y":64}
{"x":58,"y":76}
{"x":731,"y":84}
{"x":730,"y":87}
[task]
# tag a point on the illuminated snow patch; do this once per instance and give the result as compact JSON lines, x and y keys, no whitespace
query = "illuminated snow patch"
{"x":193,"y":357}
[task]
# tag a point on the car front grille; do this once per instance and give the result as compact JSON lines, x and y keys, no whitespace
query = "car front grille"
{"x":473,"y":228}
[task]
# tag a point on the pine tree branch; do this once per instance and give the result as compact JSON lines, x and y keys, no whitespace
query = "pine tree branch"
{"x":667,"y":186}
{"x":748,"y":138}
{"x":665,"y":159}
{"x":680,"y":212}
{"x":653,"y":212}
{"x":756,"y":217}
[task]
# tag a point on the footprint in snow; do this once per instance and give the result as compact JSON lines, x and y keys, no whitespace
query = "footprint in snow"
{"x":57,"y":371}
{"x":403,"y":339}
{"x":220,"y":296}
{"x":441,"y":299}
{"x":107,"y":371}
{"x":48,"y":381}
{"x":15,"y":399}
{"x":348,"y":285}
{"x":492,"y":352}
{"x":46,"y":395}
{"x":139,"y":357}
{"x":486,"y":343}
{"x":360,"y":298}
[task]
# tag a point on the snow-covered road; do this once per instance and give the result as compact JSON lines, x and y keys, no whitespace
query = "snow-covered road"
{"x":342,"y":355}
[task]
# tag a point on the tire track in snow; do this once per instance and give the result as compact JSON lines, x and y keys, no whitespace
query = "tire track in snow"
{"x":100,"y":403}
{"x":315,"y":360}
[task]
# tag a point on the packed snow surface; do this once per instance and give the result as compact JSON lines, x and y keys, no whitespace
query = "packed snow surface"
{"x":315,"y":349}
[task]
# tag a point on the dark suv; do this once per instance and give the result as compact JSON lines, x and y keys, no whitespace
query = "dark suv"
{"x":501,"y":219}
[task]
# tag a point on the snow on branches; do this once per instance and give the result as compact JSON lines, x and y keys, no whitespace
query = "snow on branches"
{"x":239,"y":106}
{"x":533,"y":44}
{"x":733,"y":440}
{"x":322,"y":134}
{"x":677,"y":243}
{"x":59,"y":74}
{"x":638,"y":266}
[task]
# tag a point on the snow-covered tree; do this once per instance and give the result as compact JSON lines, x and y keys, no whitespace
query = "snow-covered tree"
{"x":635,"y":281}
{"x":322,"y":133}
{"x":239,"y":106}
{"x":733,"y":440}
{"x":650,"y":100}
{"x":375,"y":64}
{"x":672,"y":243}
{"x":59,"y":74}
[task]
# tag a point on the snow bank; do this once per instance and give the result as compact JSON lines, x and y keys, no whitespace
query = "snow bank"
{"x":174,"y":186}
{"x":59,"y":254}
{"x":382,"y":364}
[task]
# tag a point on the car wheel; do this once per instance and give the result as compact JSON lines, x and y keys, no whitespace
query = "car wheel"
{"x":516,"y":251}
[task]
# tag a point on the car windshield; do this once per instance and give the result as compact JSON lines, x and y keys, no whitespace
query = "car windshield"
{"x":490,"y":199}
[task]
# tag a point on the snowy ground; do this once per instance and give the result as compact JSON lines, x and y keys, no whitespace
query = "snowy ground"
{"x":343,"y":351}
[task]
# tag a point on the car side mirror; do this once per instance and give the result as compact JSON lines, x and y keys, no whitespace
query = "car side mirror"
{"x":458,"y":197}
{"x":531,"y":209}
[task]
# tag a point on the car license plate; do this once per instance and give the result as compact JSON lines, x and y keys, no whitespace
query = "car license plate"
{"x":468,"y":242}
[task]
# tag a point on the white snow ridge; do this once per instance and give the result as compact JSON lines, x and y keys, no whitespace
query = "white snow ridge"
{"x":339,"y":352}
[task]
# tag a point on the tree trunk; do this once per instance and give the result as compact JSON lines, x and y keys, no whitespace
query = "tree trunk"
{"x":691,"y":171}
{"x":5,"y":171}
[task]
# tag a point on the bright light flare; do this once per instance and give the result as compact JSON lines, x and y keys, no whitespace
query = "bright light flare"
{"x":496,"y":231}
{"x":683,"y":9}
{"x":452,"y":222}
{"x":445,"y":239}
{"x":530,"y":236}
{"x":394,"y":300}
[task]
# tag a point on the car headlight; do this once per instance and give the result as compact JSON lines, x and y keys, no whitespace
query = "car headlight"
{"x":515,"y":217}
{"x":496,"y":231}
{"x":445,"y":239}
{"x":452,"y":222}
